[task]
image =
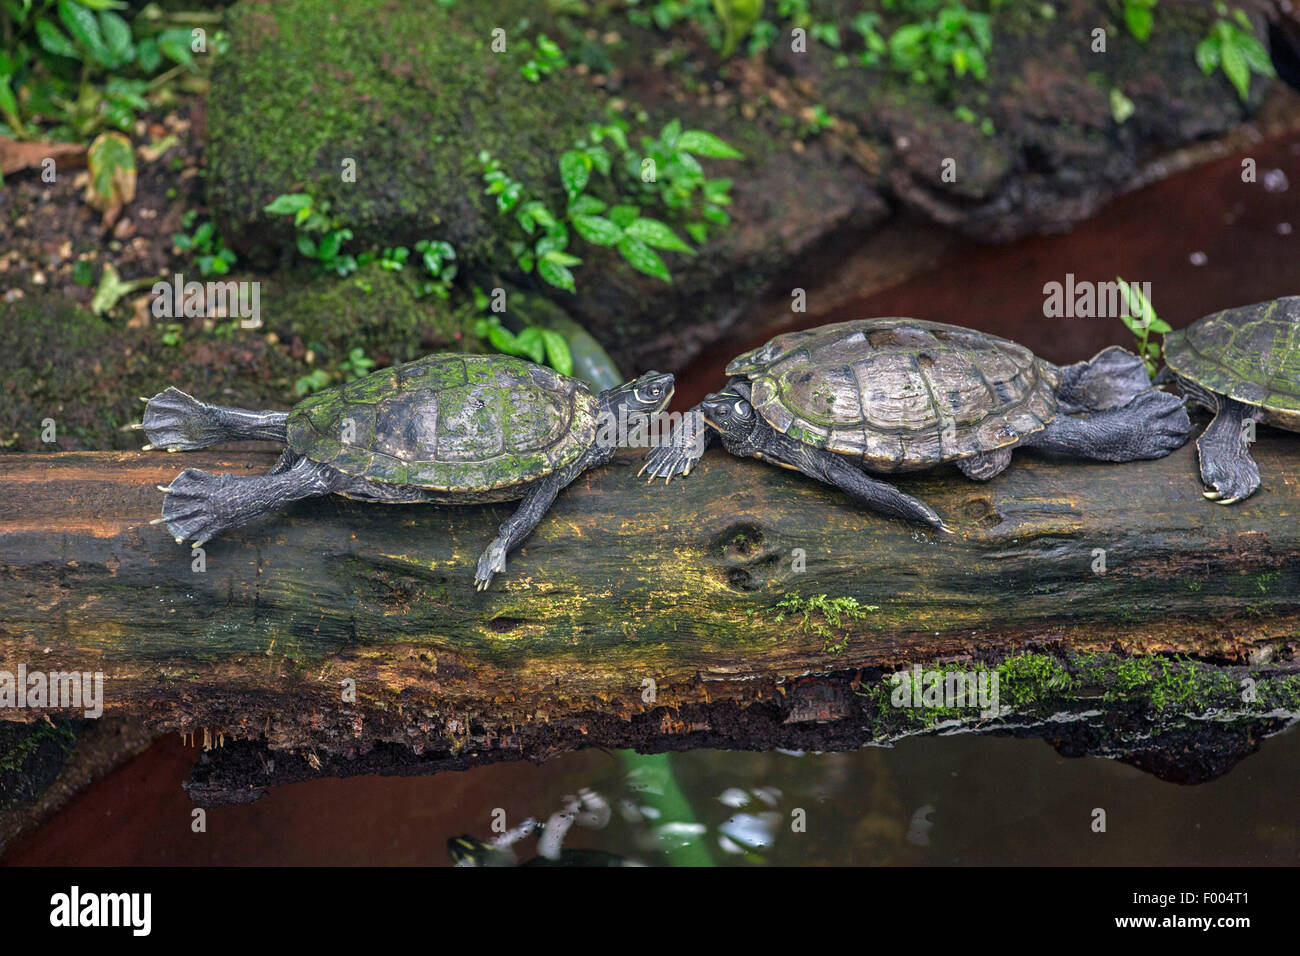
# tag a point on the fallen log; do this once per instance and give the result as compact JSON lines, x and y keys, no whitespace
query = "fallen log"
{"x":744,"y":606}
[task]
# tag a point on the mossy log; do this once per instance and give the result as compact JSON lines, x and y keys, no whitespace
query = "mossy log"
{"x":636,"y":615}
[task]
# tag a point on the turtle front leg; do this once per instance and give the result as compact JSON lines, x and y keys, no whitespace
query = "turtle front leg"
{"x":200,"y":505}
{"x":1152,"y":425}
{"x":516,"y":529}
{"x":179,"y":422}
{"x":1227,"y":468}
{"x":685,"y":448}
{"x":1110,"y":379}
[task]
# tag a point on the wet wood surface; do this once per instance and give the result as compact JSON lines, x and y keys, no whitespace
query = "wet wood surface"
{"x":636,"y":615}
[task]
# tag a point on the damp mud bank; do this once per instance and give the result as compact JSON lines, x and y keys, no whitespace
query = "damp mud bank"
{"x":741,"y":607}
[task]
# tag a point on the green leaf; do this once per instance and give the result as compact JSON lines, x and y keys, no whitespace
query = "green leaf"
{"x":624,"y":216}
{"x":530,"y":343}
{"x":8,"y":105}
{"x":1207,"y":55}
{"x":175,"y":45}
{"x":53,"y":40}
{"x":117,"y":36}
{"x":586,"y":205}
{"x":1256,"y":56}
{"x":644,"y":259}
{"x":655,"y":233}
{"x":555,"y":274}
{"x":669,"y":134}
{"x":575,"y":170}
{"x":83,"y":26}
{"x":1138,"y":17}
{"x":1236,"y":69}
{"x":503,"y":340}
{"x":558,"y":355}
{"x":1121,"y":107}
{"x":597,"y":230}
{"x":147,"y":54}
{"x":288,"y":203}
{"x":102,"y":4}
{"x":706,"y":144}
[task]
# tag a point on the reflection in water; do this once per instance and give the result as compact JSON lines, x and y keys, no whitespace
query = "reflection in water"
{"x":962,"y":799}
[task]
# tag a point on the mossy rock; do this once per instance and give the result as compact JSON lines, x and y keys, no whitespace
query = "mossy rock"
{"x":86,"y":374}
{"x":412,"y":93}
{"x":375,"y":310}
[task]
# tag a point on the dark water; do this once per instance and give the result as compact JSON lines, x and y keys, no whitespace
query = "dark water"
{"x":1205,"y":240}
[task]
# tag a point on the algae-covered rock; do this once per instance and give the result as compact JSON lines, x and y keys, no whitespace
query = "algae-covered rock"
{"x":68,"y":375}
{"x":377,"y":311}
{"x":409,"y":92}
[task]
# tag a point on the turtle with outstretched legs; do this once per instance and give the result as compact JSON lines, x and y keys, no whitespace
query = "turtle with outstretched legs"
{"x":1242,"y":364}
{"x":449,"y":428}
{"x":894,"y":395}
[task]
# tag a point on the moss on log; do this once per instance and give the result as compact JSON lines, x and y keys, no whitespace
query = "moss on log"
{"x":635,"y":616}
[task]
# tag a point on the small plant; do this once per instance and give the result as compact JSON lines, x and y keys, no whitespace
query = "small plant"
{"x":439,"y":261}
{"x":69,"y":68}
{"x":543,"y":346}
{"x":832,"y":615}
{"x":206,"y":245}
{"x":953,"y":39}
{"x":1140,"y":318}
{"x":356,"y":365}
{"x":1233,"y":46}
{"x":313,"y":381}
{"x":1139,"y":17}
{"x":667,"y":173}
{"x":311,"y":219}
{"x":546,"y":59}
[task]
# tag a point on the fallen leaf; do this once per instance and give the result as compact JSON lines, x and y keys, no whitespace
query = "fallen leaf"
{"x":112,"y":175}
{"x":15,"y":156}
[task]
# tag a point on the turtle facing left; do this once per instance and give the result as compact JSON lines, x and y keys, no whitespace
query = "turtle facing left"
{"x":447,"y":428}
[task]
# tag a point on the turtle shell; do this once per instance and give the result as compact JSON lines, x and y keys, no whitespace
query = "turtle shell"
{"x":1250,"y":353}
{"x":449,"y":423}
{"x":900,"y":394}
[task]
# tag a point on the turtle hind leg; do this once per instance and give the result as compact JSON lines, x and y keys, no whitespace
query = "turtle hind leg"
{"x":1151,"y":425}
{"x":200,"y":505}
{"x":179,"y":422}
{"x":1110,"y":379}
{"x":830,"y":468}
{"x":985,"y":465}
{"x":1229,"y":472}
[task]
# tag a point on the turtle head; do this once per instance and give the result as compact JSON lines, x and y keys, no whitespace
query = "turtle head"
{"x":729,"y":414}
{"x":648,"y":394}
{"x":627,"y":409}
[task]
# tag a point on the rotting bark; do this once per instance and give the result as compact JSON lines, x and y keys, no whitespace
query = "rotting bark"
{"x":621,"y":586}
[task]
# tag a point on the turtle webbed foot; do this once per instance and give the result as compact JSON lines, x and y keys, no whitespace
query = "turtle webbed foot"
{"x":191,"y":510}
{"x":1230,"y":482}
{"x":1160,"y":421}
{"x":683,"y":451}
{"x":492,"y":562}
{"x":1110,"y":379}
{"x":1229,"y":472}
{"x":179,"y":422}
{"x":667,"y":462}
